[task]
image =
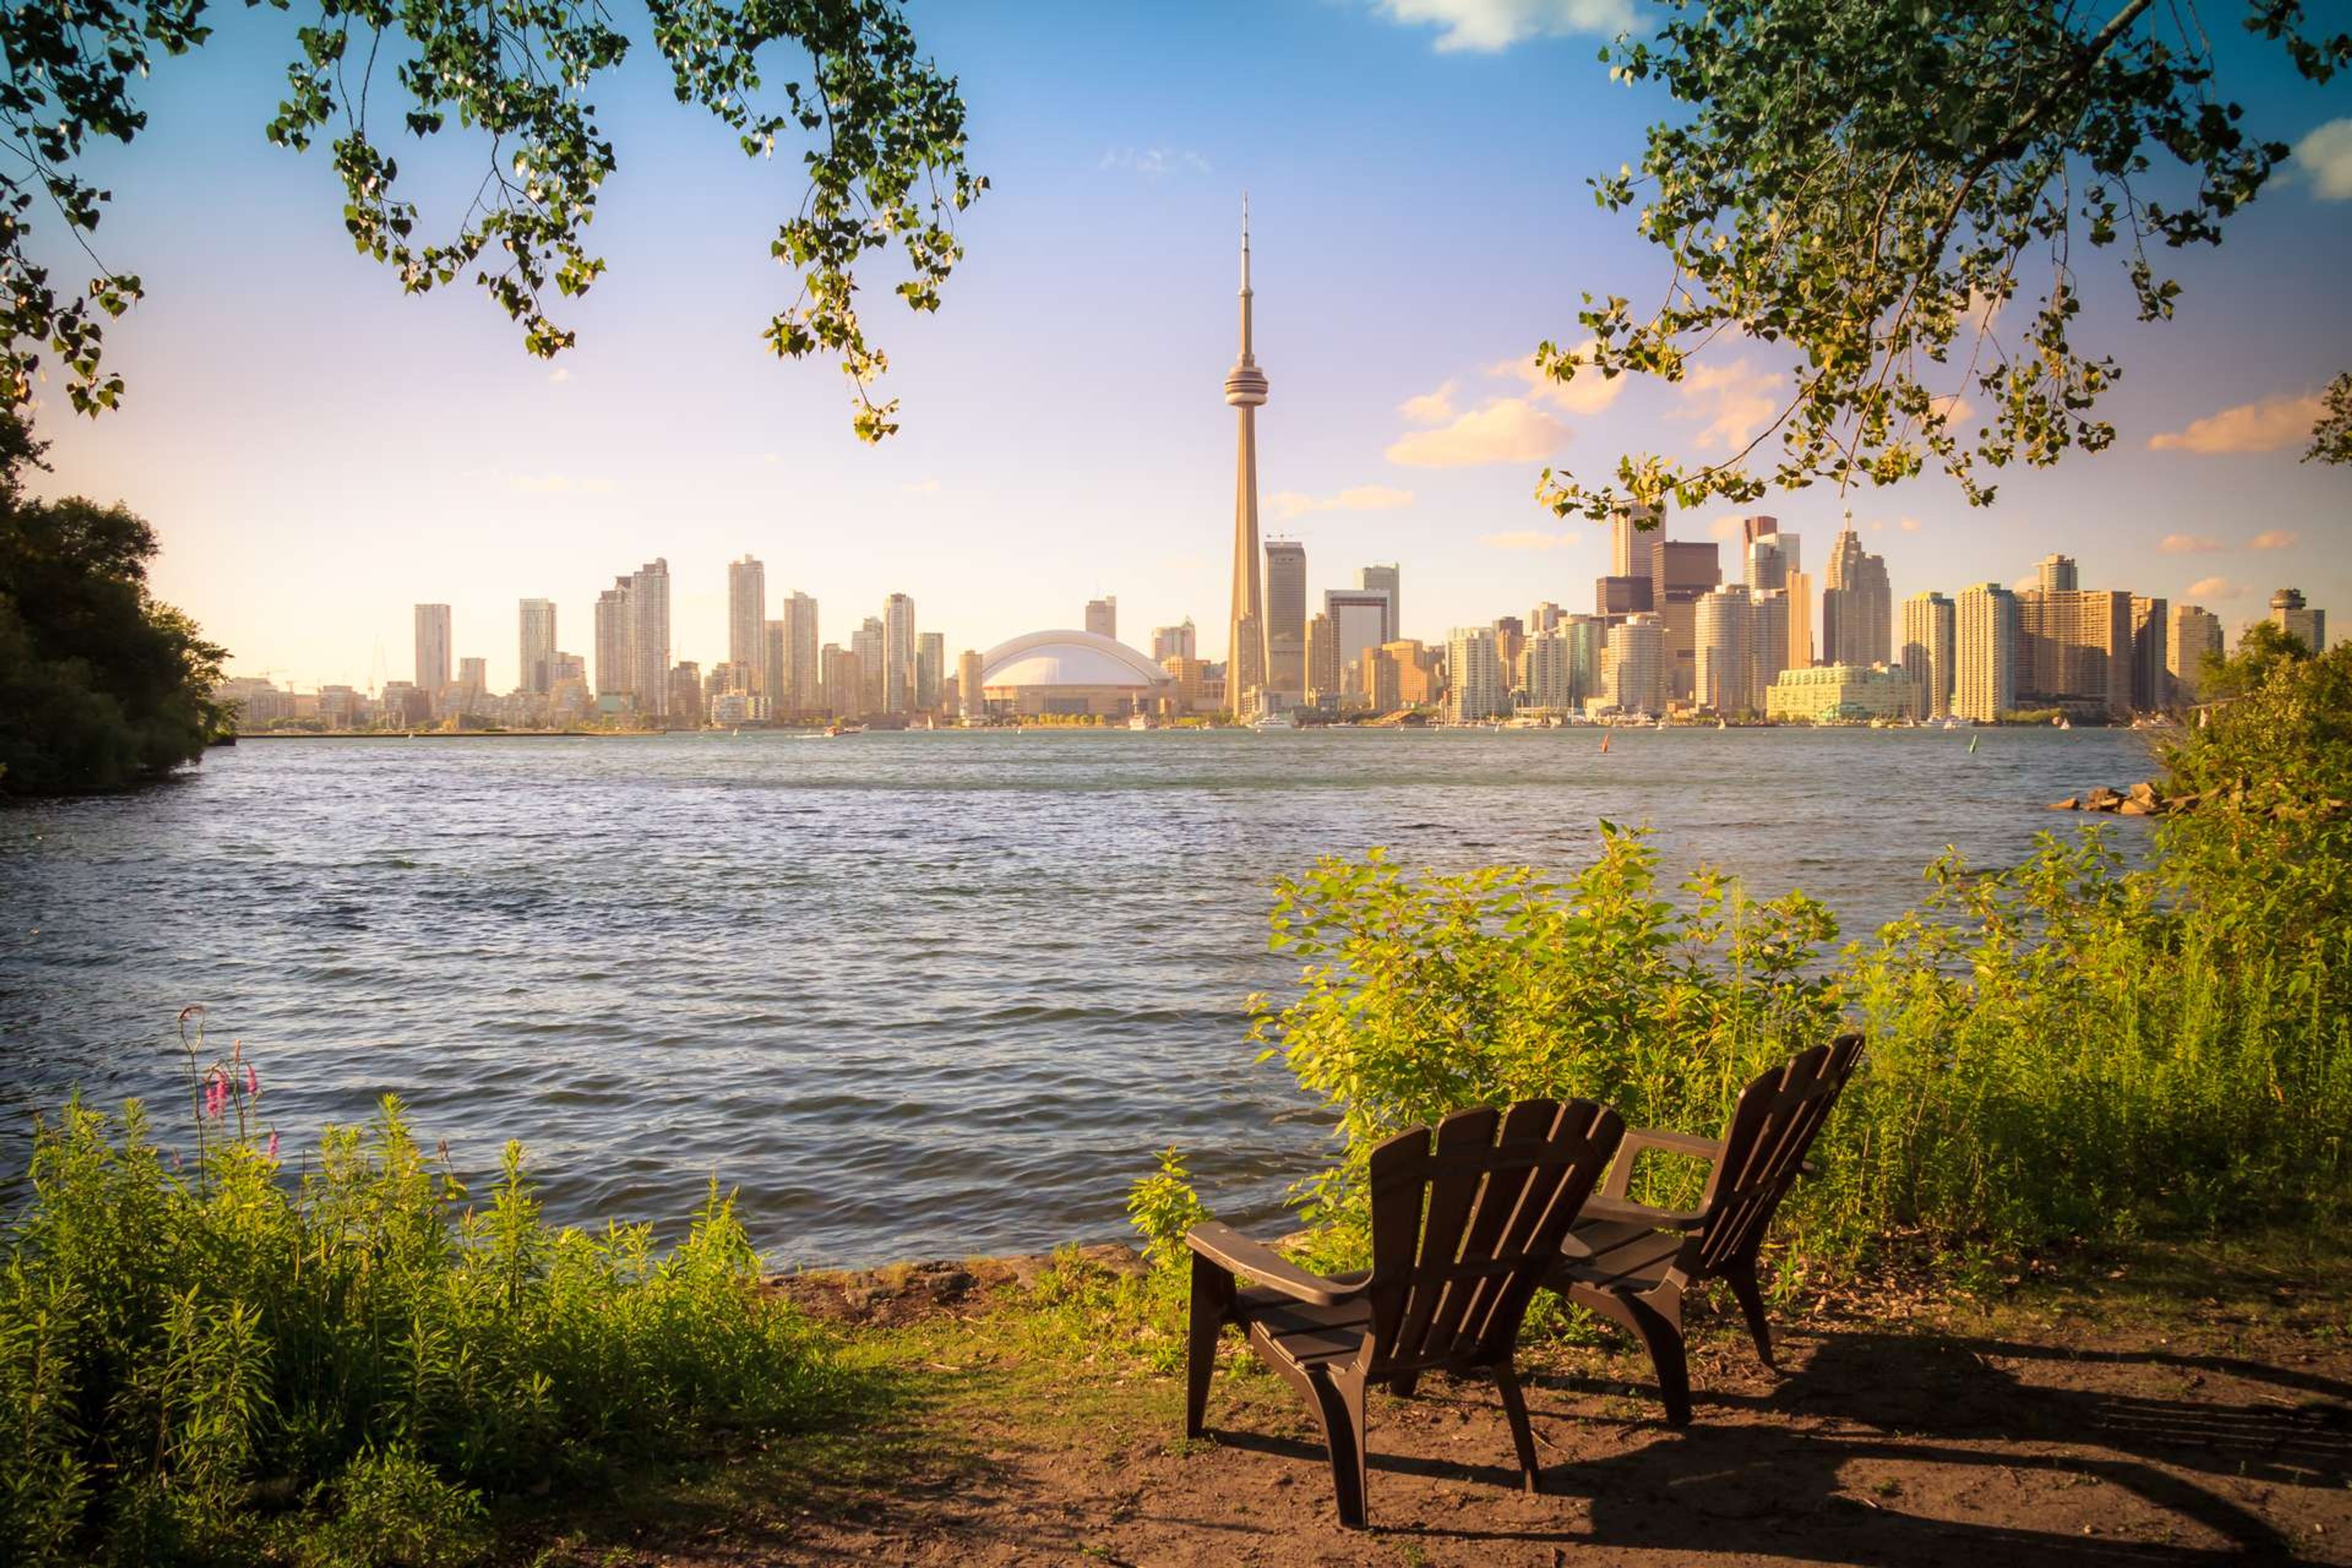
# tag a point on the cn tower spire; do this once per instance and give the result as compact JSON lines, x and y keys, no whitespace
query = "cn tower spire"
{"x":1246,"y":653}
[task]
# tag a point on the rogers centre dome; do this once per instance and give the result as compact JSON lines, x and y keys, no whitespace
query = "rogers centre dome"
{"x":1072,"y":673}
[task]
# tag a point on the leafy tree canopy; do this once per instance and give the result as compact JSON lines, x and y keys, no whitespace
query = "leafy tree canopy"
{"x":2331,"y":440}
{"x":2263,"y":649}
{"x":883,"y":133}
{"x":1871,"y":187}
{"x":100,"y":685}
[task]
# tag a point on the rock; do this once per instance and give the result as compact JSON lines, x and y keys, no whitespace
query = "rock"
{"x":2145,"y":793}
{"x":2069,"y":804}
{"x":2102,"y":799}
{"x":2138,"y":808}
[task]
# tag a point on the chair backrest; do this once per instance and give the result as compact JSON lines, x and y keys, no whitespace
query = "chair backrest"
{"x":1775,"y":1123}
{"x":1452,"y":1276}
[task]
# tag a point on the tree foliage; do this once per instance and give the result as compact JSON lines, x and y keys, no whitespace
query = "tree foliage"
{"x":1876,"y":188}
{"x":100,"y":684}
{"x":2331,"y":438}
{"x":883,"y":133}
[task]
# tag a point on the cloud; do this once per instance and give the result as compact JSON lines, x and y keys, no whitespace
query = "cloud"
{"x":1430,"y":407}
{"x":2264,"y":426}
{"x":559,"y":374}
{"x":1723,"y":527}
{"x":2275,"y":539}
{"x":1736,"y":401}
{"x":1588,"y":394}
{"x":1153,"y":163}
{"x":2214,"y":588}
{"x":1487,"y":26}
{"x":1287,"y":504}
{"x":2325,"y":158}
{"x":921,"y":487}
{"x":2034,"y":581}
{"x":557,"y":484}
{"x":1507,"y":430}
{"x":1907,"y":524}
{"x":2186,"y":544}
{"x":1529,"y":539}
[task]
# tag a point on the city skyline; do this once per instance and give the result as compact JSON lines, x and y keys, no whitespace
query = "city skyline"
{"x":1404,"y":433}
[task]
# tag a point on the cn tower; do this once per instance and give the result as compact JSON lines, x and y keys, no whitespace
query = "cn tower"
{"x":1245,"y":656}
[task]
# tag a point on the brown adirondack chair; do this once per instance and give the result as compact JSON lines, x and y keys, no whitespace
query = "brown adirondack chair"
{"x":1450,"y":1281}
{"x":1634,"y":1264}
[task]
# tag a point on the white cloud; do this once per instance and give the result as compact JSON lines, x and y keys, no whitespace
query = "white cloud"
{"x":1507,"y":430}
{"x":1723,"y":527}
{"x":1590,"y":393}
{"x":2186,"y":544}
{"x":1487,"y":26}
{"x":1152,"y":162}
{"x":1529,"y":539}
{"x":2214,"y":588}
{"x":1736,"y":401}
{"x":921,"y":487}
{"x":559,"y":374}
{"x":1430,"y":407}
{"x":557,"y":484}
{"x":1907,"y":524}
{"x":2275,"y":539}
{"x":1287,"y":504}
{"x":2325,"y":158}
{"x":2264,"y":426}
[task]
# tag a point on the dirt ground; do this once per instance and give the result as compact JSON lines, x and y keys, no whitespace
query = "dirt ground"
{"x":2199,"y":1416}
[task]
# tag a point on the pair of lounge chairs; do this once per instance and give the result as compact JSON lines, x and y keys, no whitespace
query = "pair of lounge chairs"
{"x":1468,"y":1226}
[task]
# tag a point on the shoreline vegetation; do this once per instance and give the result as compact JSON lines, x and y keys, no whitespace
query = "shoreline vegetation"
{"x":2072,"y":1066}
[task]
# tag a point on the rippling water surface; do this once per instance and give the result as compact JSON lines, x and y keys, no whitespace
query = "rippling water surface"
{"x":914,"y":995}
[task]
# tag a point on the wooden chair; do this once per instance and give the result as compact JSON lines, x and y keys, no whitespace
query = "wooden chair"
{"x":1450,"y":1281}
{"x":1632,"y":1264}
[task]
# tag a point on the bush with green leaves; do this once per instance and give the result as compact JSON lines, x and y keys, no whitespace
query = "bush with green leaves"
{"x":2071,"y":1049}
{"x":359,"y":1347}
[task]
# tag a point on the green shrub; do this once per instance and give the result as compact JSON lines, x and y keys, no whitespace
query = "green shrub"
{"x":176,"y":1346}
{"x":1162,"y":1207}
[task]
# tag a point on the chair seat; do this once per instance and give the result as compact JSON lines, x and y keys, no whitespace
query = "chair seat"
{"x":1607,"y":1255}
{"x":1302,"y":1335}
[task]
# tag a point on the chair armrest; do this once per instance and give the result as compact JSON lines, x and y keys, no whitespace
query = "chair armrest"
{"x":1231,"y":1250}
{"x":1620,"y":1211}
{"x":1621,"y":1169}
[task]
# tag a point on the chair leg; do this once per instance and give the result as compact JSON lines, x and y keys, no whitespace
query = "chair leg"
{"x":1523,"y":1436}
{"x":1402,"y":1386}
{"x":1212,"y":1296}
{"x":1741,"y":1276}
{"x":1662,"y":1333}
{"x":1339,"y":1410}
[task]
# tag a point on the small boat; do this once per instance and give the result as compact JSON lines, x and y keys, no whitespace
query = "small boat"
{"x":1604,"y":743}
{"x":1972,"y":743}
{"x":1286,"y":720}
{"x":1722,"y":723}
{"x":2064,"y":722}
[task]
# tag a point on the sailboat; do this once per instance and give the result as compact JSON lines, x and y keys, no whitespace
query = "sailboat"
{"x":1604,"y":743}
{"x":1972,"y":743}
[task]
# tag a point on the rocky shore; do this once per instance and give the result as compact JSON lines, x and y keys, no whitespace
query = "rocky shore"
{"x":902,"y":1293}
{"x":2146,"y":800}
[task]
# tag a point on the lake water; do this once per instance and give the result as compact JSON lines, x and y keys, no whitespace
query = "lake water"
{"x":914,"y":995}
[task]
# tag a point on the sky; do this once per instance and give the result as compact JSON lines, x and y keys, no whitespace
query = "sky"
{"x":318,"y":452}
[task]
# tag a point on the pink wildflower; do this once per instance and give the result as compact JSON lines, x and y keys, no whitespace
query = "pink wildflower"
{"x":273,"y":1146}
{"x":215,"y":1095}
{"x":252,"y":1080}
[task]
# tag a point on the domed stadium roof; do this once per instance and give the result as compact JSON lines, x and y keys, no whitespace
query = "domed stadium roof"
{"x":1067,"y":659}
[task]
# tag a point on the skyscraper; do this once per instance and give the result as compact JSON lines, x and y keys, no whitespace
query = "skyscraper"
{"x":473,"y":676}
{"x":771,"y":670}
{"x":536,"y":671}
{"x":2074,"y":647}
{"x":1286,"y":617}
{"x":930,"y":670}
{"x":1985,"y":639}
{"x":803,"y":689}
{"x":1640,"y":678}
{"x":1857,"y":605}
{"x":2195,"y":633}
{"x":1102,"y":616}
{"x":1631,"y":528}
{"x":1360,"y":619}
{"x":2291,"y":616}
{"x":747,"y":619}
{"x":1681,"y":571}
{"x":1752,"y":529}
{"x":1474,"y":689}
{"x":1771,"y":558}
{"x":2151,"y":624}
{"x":432,"y":647}
{"x":1245,"y":390}
{"x":616,"y":663}
{"x":1387,"y":579}
{"x":1928,"y":649}
{"x":1322,"y":658}
{"x":1800,"y":618}
{"x":649,"y":638}
{"x":1723,"y":661}
{"x":1174,"y":642}
{"x":969,"y":699}
{"x":898,"y":654}
{"x":2056,"y":574}
{"x":1767,"y":640}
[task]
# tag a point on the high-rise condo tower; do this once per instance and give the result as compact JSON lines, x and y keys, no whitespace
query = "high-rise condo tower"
{"x":1245,"y":389}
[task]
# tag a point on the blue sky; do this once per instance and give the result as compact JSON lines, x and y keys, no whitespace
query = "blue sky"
{"x":319,"y":452}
